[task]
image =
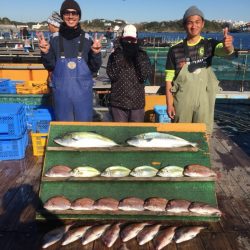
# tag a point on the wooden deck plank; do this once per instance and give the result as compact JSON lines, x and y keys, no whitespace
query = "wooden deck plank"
{"x":231,"y":232}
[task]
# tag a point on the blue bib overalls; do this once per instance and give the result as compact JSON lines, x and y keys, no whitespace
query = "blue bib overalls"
{"x":72,"y":84}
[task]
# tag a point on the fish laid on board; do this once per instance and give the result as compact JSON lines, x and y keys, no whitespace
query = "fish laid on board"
{"x":178,"y":206}
{"x":85,"y":171}
{"x":171,"y":171}
{"x":94,"y":233}
{"x":196,"y":170}
{"x":204,"y":209}
{"x":186,"y":233}
{"x":106,"y":204}
{"x":111,"y":235}
{"x":57,"y":203}
{"x":164,"y":237}
{"x":54,"y":235}
{"x":74,"y":234}
{"x":147,"y":234}
{"x":155,"y":204}
{"x":131,"y":204}
{"x":131,"y":231}
{"x":84,"y":140}
{"x":158,"y":140}
{"x":116,"y":171}
{"x":83,"y":204}
{"x":144,"y":171}
{"x":59,"y":171}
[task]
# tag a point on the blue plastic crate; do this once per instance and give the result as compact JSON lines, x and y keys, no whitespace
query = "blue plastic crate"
{"x":40,"y":120}
{"x":12,"y":120}
{"x":160,"y":114}
{"x":7,"y":86}
{"x":13,"y":149}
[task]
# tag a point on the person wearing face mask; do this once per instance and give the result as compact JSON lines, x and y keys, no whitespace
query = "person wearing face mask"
{"x":128,"y":68}
{"x":72,"y":57}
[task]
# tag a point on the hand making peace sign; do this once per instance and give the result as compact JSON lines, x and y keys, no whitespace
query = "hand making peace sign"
{"x":97,"y":44}
{"x":43,"y":44}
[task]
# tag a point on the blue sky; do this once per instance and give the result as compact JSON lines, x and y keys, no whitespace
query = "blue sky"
{"x":131,"y":10}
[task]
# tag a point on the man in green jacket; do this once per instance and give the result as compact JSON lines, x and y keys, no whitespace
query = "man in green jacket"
{"x":191,"y":84}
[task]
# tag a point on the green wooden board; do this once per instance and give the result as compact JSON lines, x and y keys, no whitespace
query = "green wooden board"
{"x":203,"y":191}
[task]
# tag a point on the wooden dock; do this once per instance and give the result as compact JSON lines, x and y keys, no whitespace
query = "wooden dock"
{"x":19,"y":184}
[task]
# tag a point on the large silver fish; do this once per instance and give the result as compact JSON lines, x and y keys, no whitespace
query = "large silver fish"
{"x":158,"y":140}
{"x":131,"y":204}
{"x":171,"y":171}
{"x":85,"y":171}
{"x":186,"y":233}
{"x":131,"y":231}
{"x":82,"y":204}
{"x":84,"y":140}
{"x":94,"y":233}
{"x":54,"y":235}
{"x":164,"y":237}
{"x":178,"y":206}
{"x":106,"y":204}
{"x":144,"y":171}
{"x":155,"y":204}
{"x":111,"y":235}
{"x":196,"y":170}
{"x":116,"y":171}
{"x":204,"y":209}
{"x":147,"y":234}
{"x":74,"y":234}
{"x":57,"y":203}
{"x":59,"y":171}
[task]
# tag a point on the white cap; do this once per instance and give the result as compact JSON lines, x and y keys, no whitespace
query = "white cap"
{"x":129,"y":31}
{"x":116,"y":28}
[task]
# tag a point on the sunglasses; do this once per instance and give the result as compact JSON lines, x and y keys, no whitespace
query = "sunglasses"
{"x":68,"y":12}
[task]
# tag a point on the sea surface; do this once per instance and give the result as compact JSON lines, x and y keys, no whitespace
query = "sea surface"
{"x":241,"y":40}
{"x":234,"y":119}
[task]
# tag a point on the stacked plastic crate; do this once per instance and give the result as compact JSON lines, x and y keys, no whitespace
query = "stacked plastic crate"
{"x":13,"y":131}
{"x":39,"y":121}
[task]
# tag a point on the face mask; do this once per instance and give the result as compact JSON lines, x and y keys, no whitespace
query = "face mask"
{"x":130,"y":50}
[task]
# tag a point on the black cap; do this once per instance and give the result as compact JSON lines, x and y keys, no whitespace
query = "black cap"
{"x":70,"y":4}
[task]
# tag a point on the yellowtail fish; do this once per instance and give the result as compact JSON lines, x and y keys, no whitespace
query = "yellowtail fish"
{"x":147,"y":234}
{"x":178,"y":206}
{"x":186,"y":233}
{"x":131,"y":231}
{"x":54,"y":235}
{"x":84,"y":140}
{"x":196,"y":170}
{"x":59,"y":171}
{"x":85,"y":171}
{"x":144,"y":171}
{"x":131,"y":204}
{"x":155,"y":204}
{"x":164,"y":237}
{"x":158,"y":140}
{"x":204,"y":209}
{"x":116,"y":171}
{"x":111,"y":235}
{"x":171,"y":171}
{"x":74,"y":234}
{"x":106,"y":204}
{"x":94,"y":233}
{"x":82,"y":204}
{"x":57,"y":203}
